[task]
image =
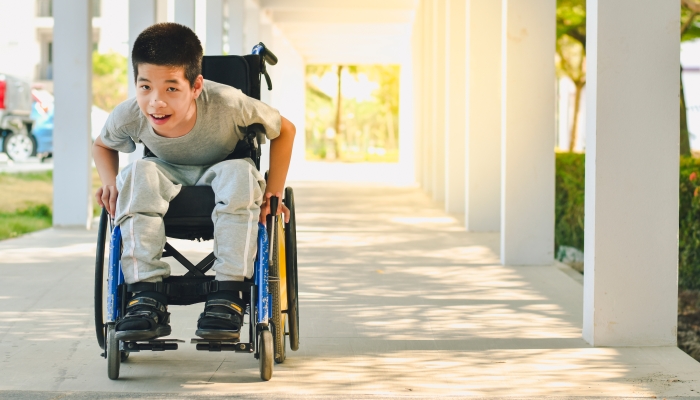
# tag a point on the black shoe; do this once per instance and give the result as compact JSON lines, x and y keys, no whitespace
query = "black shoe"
{"x":146,"y":318}
{"x":221,"y":320}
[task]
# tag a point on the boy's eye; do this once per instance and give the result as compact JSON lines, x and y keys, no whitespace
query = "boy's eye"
{"x":171,"y":89}
{"x":145,"y":87}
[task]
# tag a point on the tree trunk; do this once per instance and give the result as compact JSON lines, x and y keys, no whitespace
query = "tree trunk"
{"x":573,"y":135}
{"x":337,"y":115}
{"x":685,"y":136}
{"x":391,"y":138}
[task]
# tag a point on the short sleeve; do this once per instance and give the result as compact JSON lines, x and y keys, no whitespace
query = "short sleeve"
{"x":114,"y":136}
{"x":257,"y":112}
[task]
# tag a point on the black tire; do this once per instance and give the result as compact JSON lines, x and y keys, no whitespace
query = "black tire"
{"x":277,"y":317}
{"x":113,"y":354}
{"x":19,"y":146}
{"x":290,"y":237}
{"x":102,"y":238}
{"x":266,"y":355}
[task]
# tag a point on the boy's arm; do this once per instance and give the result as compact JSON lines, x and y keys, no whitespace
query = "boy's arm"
{"x":280,"y":156}
{"x":107,"y":163}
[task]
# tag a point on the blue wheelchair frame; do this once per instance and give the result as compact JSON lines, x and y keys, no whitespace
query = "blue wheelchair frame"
{"x":259,"y":292}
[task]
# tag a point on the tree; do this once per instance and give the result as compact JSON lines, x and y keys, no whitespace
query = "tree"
{"x":690,"y":10}
{"x":109,"y":80}
{"x":321,"y":70}
{"x":387,"y":94}
{"x":571,"y":53}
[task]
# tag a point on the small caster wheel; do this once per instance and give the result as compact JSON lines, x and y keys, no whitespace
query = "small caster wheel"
{"x":124,"y":356}
{"x":266,"y":355}
{"x":113,"y":354}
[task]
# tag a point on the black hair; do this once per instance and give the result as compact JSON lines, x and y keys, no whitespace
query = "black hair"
{"x":168,"y":44}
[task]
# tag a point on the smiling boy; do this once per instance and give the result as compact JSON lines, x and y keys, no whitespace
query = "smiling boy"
{"x":191,"y":125}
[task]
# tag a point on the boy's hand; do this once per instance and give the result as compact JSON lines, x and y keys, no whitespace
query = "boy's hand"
{"x":265,"y":208}
{"x":107,"y":197}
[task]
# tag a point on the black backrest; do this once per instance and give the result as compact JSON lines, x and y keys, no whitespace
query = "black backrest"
{"x":241,"y":72}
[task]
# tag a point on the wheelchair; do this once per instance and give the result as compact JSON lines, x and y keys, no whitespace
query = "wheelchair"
{"x":271,"y":296}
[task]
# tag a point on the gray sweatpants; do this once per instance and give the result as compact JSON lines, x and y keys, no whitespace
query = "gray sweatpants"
{"x":146,"y":188}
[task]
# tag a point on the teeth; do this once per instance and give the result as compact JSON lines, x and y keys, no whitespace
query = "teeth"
{"x":158,"y":115}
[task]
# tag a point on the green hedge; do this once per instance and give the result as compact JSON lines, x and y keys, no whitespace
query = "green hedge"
{"x":689,"y":229}
{"x":568,"y":228}
{"x":569,"y":211}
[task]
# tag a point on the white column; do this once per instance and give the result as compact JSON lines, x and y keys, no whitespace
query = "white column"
{"x":407,"y":126}
{"x":428,"y":98}
{"x":631,"y":237}
{"x":184,"y":12}
{"x":527,"y":174}
{"x":418,"y":102}
{"x":72,"y":33}
{"x":439,"y":84}
{"x":142,"y":14}
{"x":236,"y":21}
{"x":289,"y":94}
{"x":251,"y":33}
{"x":214,"y":45}
{"x":455,"y":103}
{"x":162,"y":11}
{"x":482,"y":211}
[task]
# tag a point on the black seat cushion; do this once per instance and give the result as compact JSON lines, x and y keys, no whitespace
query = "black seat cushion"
{"x":189,"y":214}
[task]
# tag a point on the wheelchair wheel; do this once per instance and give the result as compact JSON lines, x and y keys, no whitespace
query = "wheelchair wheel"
{"x":113,"y":354}
{"x":100,"y":279}
{"x":266,"y":355}
{"x":277,"y":317}
{"x":290,"y":237}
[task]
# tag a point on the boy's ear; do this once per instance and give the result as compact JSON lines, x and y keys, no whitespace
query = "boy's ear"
{"x":198,"y":86}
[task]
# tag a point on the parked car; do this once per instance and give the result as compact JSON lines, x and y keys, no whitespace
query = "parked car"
{"x":42,"y":132}
{"x":16,"y":117}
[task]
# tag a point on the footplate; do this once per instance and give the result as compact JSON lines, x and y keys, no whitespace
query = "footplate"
{"x":222,"y":345}
{"x":151,"y":345}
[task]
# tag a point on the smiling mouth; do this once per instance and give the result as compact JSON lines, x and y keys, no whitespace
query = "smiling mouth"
{"x":159,"y":118}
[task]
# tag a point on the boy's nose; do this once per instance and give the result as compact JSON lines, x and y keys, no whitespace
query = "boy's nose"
{"x":157,"y":103}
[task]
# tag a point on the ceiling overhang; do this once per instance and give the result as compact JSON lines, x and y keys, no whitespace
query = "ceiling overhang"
{"x":345,"y":31}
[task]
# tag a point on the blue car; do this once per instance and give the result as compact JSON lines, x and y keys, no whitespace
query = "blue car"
{"x":42,"y":130}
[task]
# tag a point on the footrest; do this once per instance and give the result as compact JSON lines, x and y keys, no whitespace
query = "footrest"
{"x":152,"y":345}
{"x":222,"y":345}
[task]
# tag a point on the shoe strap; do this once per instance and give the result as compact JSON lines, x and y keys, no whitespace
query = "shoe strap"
{"x":224,"y":303}
{"x":146,"y":301}
{"x":228,"y":317}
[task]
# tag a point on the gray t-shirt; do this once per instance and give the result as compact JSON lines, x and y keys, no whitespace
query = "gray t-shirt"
{"x":223,"y":112}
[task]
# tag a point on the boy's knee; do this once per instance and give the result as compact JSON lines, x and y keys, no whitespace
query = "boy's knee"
{"x":235,"y":171}
{"x":139,"y":170}
{"x":235,"y":166}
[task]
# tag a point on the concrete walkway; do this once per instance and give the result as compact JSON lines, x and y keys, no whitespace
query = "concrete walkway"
{"x":396,"y":300}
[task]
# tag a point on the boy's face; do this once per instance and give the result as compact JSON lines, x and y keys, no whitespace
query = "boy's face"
{"x":166,"y":99}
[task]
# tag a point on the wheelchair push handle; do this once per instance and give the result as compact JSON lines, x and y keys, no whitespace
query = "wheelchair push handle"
{"x":265,"y":53}
{"x":274,"y":203}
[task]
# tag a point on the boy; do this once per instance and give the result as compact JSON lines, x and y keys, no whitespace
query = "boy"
{"x":191,"y":125}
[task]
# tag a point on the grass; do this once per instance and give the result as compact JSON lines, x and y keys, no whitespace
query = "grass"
{"x":24,"y":190}
{"x":26,"y":201}
{"x":30,"y":219}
